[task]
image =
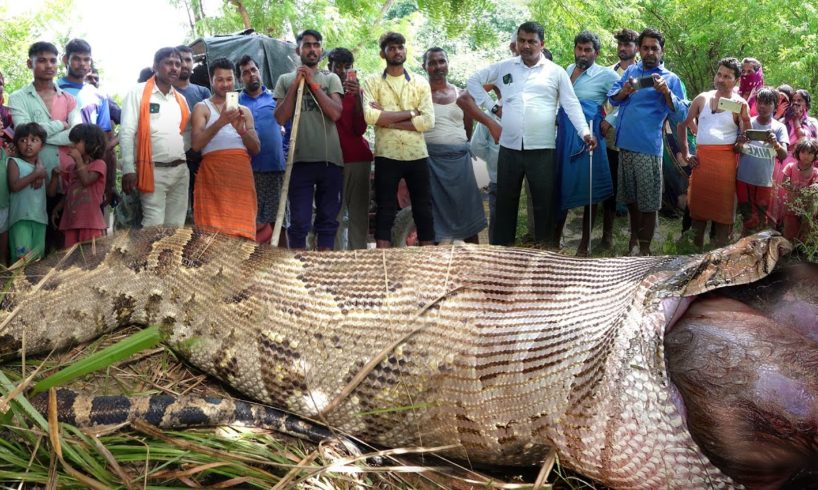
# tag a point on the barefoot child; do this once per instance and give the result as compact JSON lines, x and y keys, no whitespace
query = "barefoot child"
{"x":84,"y":183}
{"x":799,"y":175}
{"x":26,"y":179}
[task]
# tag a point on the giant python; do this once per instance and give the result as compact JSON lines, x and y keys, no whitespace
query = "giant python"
{"x":503,"y":353}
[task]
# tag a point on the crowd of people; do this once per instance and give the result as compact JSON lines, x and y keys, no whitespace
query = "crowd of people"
{"x":576,"y":137}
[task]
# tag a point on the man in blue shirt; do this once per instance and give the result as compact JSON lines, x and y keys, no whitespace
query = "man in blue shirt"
{"x":591,"y":84}
{"x":268,"y":165}
{"x":646,"y":94}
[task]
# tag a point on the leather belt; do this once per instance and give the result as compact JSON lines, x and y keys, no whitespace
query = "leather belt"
{"x":169,"y":164}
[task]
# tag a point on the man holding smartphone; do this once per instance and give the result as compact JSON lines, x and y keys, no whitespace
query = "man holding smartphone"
{"x":718,"y":115}
{"x":641,"y":114}
{"x":225,"y":196}
{"x":357,"y":155}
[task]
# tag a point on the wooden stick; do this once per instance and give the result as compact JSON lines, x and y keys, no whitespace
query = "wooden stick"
{"x":285,"y":188}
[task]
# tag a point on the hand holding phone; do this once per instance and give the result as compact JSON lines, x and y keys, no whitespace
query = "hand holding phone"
{"x":758,"y":134}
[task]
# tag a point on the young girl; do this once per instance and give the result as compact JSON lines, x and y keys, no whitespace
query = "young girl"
{"x":799,"y":175}
{"x":84,"y":183}
{"x":26,"y":179}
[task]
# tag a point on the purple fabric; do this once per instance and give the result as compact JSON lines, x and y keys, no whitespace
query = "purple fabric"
{"x":323,"y":182}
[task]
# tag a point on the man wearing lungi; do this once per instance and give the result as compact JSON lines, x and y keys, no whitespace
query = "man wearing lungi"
{"x":646,"y":94}
{"x":457,"y":206}
{"x":225,"y":193}
{"x":268,"y":164}
{"x":531,"y":87}
{"x":591,"y":84}
{"x":712,"y":192}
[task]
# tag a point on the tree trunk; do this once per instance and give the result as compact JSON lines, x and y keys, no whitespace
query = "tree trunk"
{"x":245,"y":17}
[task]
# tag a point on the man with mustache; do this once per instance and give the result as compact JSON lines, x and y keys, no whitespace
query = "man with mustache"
{"x":646,"y":94}
{"x":154,"y":116}
{"x":46,"y":104}
{"x":317,"y":173}
{"x":457,"y":206}
{"x":626,"y":50}
{"x":193,"y":94}
{"x":399,"y":105}
{"x":268,"y":164}
{"x":591,"y":84}
{"x":711,"y":196}
{"x":531,"y":88}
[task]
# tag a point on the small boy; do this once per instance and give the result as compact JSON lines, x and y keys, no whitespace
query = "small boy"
{"x":27,"y":182}
{"x":754,"y":181}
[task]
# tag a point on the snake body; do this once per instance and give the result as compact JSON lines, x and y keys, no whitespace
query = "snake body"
{"x":501,"y":353}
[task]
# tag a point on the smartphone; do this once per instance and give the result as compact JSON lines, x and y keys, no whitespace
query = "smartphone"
{"x":352,"y":74}
{"x":642,"y":82}
{"x":729,"y":105}
{"x":232,"y":101}
{"x":758,"y":134}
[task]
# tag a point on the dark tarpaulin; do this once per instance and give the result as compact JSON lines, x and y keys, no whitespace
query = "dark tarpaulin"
{"x":274,"y":57}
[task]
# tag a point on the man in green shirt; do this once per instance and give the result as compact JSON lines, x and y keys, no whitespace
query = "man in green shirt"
{"x":317,"y":173}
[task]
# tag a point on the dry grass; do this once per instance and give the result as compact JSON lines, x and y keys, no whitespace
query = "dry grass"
{"x":140,"y":456}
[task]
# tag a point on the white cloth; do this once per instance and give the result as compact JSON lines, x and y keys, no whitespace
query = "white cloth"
{"x":167,"y":144}
{"x":531,"y":97}
{"x":167,"y":204}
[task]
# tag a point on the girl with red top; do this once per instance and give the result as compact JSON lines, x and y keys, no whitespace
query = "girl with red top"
{"x":799,"y":175}
{"x":84,"y":184}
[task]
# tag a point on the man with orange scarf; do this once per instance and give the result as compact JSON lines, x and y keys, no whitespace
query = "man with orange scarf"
{"x":154,"y":115}
{"x":225,"y":192}
{"x":712,"y":192}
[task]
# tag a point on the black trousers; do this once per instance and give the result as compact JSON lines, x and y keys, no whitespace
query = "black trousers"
{"x":539,"y":167}
{"x":388,"y":173}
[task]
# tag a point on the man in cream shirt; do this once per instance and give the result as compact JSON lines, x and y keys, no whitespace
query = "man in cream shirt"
{"x":532,"y":87}
{"x":167,"y":204}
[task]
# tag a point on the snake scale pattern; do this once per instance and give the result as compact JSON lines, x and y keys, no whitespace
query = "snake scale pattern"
{"x":504,"y":353}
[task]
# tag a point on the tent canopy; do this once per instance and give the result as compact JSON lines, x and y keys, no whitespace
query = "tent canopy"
{"x":273,"y":57}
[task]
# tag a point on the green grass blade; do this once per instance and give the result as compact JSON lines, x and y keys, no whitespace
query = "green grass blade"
{"x":144,"y":339}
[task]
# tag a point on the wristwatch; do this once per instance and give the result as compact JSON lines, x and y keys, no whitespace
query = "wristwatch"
{"x":495,"y":109}
{"x":413,"y":113}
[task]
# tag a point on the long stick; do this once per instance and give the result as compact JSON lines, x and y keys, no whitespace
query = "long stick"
{"x":590,"y":188}
{"x":285,"y":188}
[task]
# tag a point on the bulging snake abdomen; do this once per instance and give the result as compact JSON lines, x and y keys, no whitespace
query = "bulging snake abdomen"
{"x":503,"y":353}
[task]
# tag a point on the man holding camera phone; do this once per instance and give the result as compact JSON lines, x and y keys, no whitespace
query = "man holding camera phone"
{"x":716,"y":116}
{"x":643,"y":107}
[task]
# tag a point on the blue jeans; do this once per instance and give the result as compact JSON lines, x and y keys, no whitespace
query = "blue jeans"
{"x":321,"y":182}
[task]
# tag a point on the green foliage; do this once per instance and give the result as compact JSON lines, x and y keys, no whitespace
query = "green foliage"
{"x":52,"y":22}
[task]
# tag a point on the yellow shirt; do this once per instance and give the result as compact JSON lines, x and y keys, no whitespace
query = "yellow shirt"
{"x":402,"y":93}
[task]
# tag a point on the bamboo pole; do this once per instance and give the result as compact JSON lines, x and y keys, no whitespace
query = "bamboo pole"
{"x":285,"y":188}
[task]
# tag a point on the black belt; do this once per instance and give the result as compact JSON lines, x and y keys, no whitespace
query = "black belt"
{"x":169,"y":164}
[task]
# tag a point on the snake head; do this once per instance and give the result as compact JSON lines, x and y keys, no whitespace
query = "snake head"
{"x":749,"y":259}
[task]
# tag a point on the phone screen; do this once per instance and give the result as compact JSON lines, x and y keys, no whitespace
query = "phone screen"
{"x":232,"y":101}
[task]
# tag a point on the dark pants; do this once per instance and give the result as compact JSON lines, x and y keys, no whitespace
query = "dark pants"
{"x":194,"y":160}
{"x":388,"y":173}
{"x":539,"y":168}
{"x":322,"y":182}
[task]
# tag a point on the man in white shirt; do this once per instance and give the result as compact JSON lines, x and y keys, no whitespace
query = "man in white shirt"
{"x":532,"y":88}
{"x":164,"y":186}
